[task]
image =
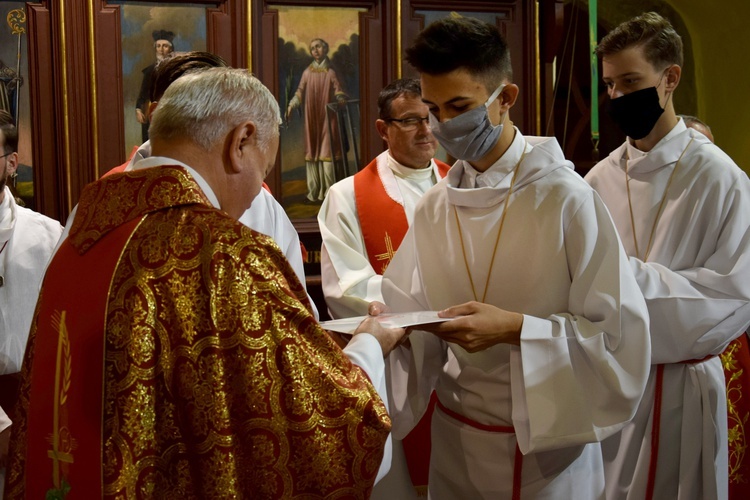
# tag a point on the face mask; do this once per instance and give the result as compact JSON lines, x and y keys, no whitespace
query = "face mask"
{"x":470,"y":135}
{"x":636,"y":113}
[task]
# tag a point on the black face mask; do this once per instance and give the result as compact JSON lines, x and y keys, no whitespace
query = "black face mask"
{"x":636,"y":113}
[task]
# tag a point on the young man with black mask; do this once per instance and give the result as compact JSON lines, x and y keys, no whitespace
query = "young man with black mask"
{"x":550,"y":352}
{"x":682,"y":208}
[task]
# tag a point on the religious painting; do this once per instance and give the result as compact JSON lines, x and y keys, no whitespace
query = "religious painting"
{"x":318,"y":78}
{"x":152,"y":32}
{"x":14,"y":93}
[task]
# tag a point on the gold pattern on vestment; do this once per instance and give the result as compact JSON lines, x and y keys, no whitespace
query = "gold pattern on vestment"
{"x":61,"y":441}
{"x":388,"y":254}
{"x":218,"y":381}
{"x":736,"y":428}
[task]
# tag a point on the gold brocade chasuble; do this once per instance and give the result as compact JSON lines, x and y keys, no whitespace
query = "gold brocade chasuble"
{"x":173,"y":355}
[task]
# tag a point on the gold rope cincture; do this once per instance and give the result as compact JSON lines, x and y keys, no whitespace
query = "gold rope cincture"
{"x":661,"y":204}
{"x":499,"y":232}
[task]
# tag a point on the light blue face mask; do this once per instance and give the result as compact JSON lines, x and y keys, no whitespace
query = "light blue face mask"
{"x":470,"y":135}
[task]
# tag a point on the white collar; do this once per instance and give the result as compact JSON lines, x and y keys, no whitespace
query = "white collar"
{"x":498,"y":171}
{"x":155,"y":161}
{"x":405,"y":172}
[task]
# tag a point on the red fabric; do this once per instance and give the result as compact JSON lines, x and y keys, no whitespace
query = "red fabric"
{"x":122,"y":167}
{"x":736,"y":362}
{"x":70,"y":320}
{"x":655,"y":429}
{"x":382,"y":219}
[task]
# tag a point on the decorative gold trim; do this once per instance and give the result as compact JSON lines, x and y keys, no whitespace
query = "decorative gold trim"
{"x":250,"y":35}
{"x":16,"y":18}
{"x":92,"y":76}
{"x":61,"y":451}
{"x":537,"y":67}
{"x":398,"y":39}
{"x":66,"y":110}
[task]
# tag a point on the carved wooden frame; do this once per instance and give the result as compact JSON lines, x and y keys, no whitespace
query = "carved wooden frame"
{"x":75,"y":71}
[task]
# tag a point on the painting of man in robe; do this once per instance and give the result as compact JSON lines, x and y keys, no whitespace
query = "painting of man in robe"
{"x":152,"y":32}
{"x":319,"y":82}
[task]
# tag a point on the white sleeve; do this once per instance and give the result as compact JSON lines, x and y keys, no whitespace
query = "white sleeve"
{"x":413,"y":371}
{"x":364,"y":351}
{"x":593,"y":361}
{"x":349,"y":281}
{"x":696,"y":311}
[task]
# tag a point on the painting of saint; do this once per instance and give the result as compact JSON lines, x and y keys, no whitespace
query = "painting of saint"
{"x":318,"y":51}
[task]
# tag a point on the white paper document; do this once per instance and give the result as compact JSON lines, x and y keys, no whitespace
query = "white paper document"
{"x":388,"y":320}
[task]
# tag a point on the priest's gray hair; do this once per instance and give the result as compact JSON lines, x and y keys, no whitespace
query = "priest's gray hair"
{"x":205,"y":106}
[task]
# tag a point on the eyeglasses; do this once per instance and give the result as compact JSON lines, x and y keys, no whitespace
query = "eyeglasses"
{"x":407,"y":124}
{"x":7,"y":154}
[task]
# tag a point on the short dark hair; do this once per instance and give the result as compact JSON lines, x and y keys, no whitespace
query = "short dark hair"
{"x":462,"y":42}
{"x":163,"y":35}
{"x":10,"y":132}
{"x":173,"y":68}
{"x":322,"y":42}
{"x":662,"y":46}
{"x":395,"y":89}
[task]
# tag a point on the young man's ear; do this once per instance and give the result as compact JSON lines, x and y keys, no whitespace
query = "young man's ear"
{"x":508,"y":97}
{"x":672,"y":77}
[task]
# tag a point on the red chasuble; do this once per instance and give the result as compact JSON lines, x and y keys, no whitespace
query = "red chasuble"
{"x":384,"y":225}
{"x":736,"y":361}
{"x":173,"y":355}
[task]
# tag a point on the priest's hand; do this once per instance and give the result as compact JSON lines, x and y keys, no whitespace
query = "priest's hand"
{"x":388,"y":338}
{"x":375,"y":307}
{"x":479,"y":326}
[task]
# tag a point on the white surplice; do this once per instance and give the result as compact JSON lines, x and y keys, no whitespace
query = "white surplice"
{"x":696,"y":282}
{"x":583,"y":362}
{"x":29,"y":239}
{"x":265,"y":215}
{"x":349,"y":281}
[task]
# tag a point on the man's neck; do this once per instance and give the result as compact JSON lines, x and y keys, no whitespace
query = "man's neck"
{"x":502,"y":145}
{"x":666,"y":123}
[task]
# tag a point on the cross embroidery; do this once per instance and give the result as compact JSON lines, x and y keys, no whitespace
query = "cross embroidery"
{"x":388,"y":254}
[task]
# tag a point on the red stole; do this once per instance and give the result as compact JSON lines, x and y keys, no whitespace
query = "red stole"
{"x":64,"y":446}
{"x":384,"y":225}
{"x":382,"y":219}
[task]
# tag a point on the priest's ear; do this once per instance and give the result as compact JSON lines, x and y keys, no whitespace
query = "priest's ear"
{"x":243,"y":145}
{"x":382,"y":127}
